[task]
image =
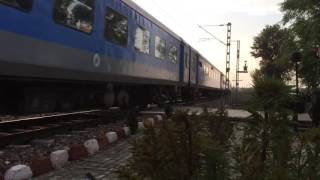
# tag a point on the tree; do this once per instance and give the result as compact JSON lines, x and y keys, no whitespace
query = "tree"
{"x":304,"y":19}
{"x":264,"y":151}
{"x":274,"y":46}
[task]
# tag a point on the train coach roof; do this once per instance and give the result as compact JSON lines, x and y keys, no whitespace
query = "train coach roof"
{"x":206,"y":60}
{"x":141,"y":11}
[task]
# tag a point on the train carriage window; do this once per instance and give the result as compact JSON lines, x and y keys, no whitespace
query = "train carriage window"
{"x":23,"y":5}
{"x":142,"y":40}
{"x":160,"y":48}
{"x":173,"y":54}
{"x":76,"y":14}
{"x":116,"y":27}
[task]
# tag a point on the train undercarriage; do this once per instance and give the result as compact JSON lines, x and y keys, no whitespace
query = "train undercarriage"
{"x":32,"y":96}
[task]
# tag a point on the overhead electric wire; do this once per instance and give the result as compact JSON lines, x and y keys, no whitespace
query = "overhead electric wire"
{"x":214,"y":37}
{"x":181,"y":26}
{"x":166,"y":13}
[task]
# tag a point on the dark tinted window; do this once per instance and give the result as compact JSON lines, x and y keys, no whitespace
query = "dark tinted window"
{"x":160,"y":48}
{"x":116,"y":27}
{"x":24,"y":5}
{"x":142,"y":40}
{"x":173,"y":54}
{"x":76,"y":14}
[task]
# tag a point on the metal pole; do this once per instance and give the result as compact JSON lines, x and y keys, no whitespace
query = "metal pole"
{"x":237,"y":72}
{"x":296,"y":58}
{"x":228,"y":56}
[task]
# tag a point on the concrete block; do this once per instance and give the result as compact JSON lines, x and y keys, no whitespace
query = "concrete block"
{"x":112,"y":137}
{"x":92,"y":146}
{"x":78,"y":152}
{"x":18,"y":172}
{"x":59,"y":158}
{"x":40,"y":165}
{"x":120,"y":132}
{"x":149,"y":121}
{"x":127,"y":131}
{"x":103,"y":142}
{"x":159,"y":117}
{"x":140,"y":125}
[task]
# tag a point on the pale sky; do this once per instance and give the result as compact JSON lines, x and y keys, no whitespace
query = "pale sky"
{"x":248,"y":18}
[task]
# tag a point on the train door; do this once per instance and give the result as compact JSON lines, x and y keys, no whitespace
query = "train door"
{"x":193,"y":68}
{"x":186,"y":65}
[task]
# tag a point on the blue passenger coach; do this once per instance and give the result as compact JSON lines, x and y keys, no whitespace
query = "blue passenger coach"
{"x":74,"y":54}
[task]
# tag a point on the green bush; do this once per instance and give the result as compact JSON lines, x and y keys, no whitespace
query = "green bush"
{"x":188,"y":147}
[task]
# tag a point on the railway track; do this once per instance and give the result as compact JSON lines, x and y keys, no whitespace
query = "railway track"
{"x":22,"y":131}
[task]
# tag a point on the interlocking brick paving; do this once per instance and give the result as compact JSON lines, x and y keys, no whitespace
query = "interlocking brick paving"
{"x":102,"y":165}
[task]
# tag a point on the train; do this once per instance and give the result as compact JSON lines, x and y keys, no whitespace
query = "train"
{"x":61,"y":55}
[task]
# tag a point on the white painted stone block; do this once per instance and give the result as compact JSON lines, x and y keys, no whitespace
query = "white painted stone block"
{"x":92,"y":146}
{"x":127,"y":131}
{"x":159,"y":117}
{"x":150,"y":121}
{"x":18,"y":172}
{"x":112,"y":137}
{"x":140,"y":125}
{"x":59,"y":158}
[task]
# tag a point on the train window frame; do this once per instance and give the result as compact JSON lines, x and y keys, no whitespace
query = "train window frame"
{"x":71,"y":27}
{"x":158,"y":51}
{"x":109,"y":9}
{"x":17,"y":7}
{"x":175,"y":55}
{"x":138,"y":49}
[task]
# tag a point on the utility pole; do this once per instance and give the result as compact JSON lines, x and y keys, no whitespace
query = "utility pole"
{"x":245,"y":70}
{"x":228,"y":55}
{"x":228,"y":58}
{"x":237,"y":70}
{"x":296,"y":57}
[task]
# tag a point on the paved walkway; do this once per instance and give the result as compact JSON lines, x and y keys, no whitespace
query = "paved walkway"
{"x":236,"y":113}
{"x":102,"y":165}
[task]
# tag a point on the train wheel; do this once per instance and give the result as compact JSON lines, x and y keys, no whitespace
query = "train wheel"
{"x":123,"y":99}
